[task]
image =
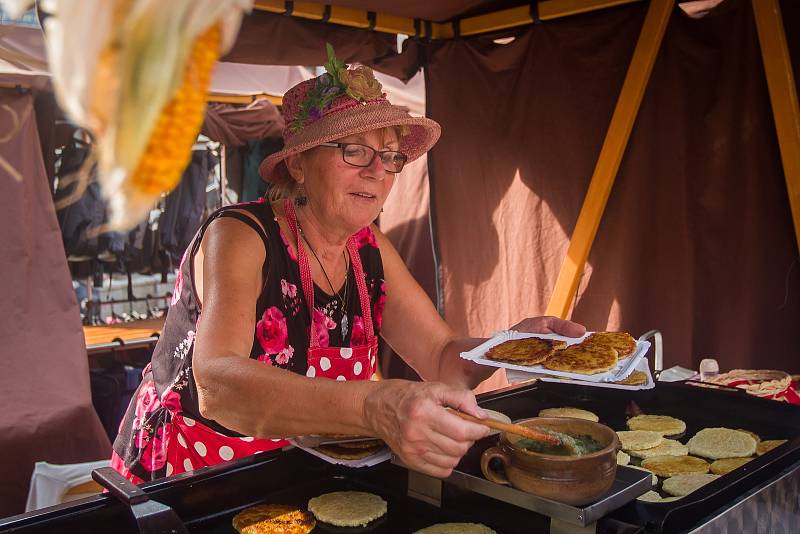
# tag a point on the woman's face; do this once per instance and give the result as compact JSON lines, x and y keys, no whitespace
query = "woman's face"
{"x":349,"y":195}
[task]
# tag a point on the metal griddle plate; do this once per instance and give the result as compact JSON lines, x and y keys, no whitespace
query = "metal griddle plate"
{"x":699,"y":408}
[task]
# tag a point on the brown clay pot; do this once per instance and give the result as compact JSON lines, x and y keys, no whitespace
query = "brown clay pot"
{"x":574,"y":480}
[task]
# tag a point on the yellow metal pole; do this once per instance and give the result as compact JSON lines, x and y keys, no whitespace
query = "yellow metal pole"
{"x":605,"y":171}
{"x":783,"y":94}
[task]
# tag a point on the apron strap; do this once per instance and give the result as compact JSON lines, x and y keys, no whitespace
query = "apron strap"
{"x":308,"y":282}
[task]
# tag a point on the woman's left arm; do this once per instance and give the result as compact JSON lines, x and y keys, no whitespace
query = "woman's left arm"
{"x":416,"y":331}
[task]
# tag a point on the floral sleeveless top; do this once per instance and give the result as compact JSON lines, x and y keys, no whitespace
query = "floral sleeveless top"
{"x":280,"y":339}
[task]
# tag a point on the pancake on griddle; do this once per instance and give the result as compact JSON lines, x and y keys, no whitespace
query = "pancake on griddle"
{"x":751,"y":434}
{"x":654,"y":496}
{"x":716,"y":443}
{"x":583,"y":359}
{"x":568,"y":411}
{"x":342,"y":453}
{"x":527,"y":351}
{"x":622,"y":342}
{"x":668,"y":447}
{"x":634,"y":440}
{"x":669,"y":466}
{"x":623,"y":458}
{"x":273,"y":519}
{"x":726,"y":465}
{"x":347,"y":508}
{"x":681,"y":485}
{"x":663,"y":424}
{"x":765,"y":446}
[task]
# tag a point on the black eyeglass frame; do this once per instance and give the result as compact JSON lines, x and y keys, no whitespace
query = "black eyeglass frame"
{"x":375,"y":153}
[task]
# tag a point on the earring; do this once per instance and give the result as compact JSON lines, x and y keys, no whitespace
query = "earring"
{"x":300,"y":198}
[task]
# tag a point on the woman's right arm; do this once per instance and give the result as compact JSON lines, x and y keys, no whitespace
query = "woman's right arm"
{"x":259,"y":400}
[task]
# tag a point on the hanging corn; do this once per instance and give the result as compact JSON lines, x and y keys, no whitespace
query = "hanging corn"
{"x":136,"y":73}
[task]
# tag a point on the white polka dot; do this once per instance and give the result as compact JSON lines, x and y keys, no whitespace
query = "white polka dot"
{"x":181,"y":441}
{"x":169,"y":469}
{"x":200,"y":447}
{"x":187,"y":465}
{"x":345,"y":352}
{"x":189,"y":421}
{"x":276,"y":440}
{"x":312,"y":372}
{"x":374,"y":377}
{"x":324,"y":363}
{"x":340,"y":378}
{"x":357,"y":368}
{"x":247,"y":439}
{"x":226,"y":453}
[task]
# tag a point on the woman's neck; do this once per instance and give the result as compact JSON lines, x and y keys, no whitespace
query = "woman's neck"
{"x":327,"y":241}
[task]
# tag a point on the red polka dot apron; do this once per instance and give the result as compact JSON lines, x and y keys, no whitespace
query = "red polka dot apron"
{"x":183,"y":444}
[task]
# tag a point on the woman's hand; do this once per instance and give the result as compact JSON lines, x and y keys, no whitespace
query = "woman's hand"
{"x":550,"y":325}
{"x":411,"y":417}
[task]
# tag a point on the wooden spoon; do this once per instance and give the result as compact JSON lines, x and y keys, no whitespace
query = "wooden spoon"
{"x":511,"y":428}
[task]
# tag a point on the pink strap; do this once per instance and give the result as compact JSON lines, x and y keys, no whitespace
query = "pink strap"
{"x":308,"y":282}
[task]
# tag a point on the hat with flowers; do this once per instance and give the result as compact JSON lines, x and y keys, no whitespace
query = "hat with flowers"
{"x":343,"y":101}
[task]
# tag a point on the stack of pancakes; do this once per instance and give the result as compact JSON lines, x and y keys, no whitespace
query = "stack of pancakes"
{"x":598,"y":353}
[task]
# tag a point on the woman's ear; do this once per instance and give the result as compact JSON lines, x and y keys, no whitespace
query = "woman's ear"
{"x":295,"y":166}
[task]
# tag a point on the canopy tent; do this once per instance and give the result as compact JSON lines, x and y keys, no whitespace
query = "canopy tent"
{"x":697,"y":237}
{"x":47,"y":409}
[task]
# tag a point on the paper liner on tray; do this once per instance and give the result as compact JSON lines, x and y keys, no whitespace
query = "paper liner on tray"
{"x":381,"y":456}
{"x":622,"y":370}
{"x":643,"y":365}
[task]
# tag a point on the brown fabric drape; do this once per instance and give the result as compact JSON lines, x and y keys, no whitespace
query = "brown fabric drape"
{"x":47,"y":409}
{"x":234,"y":125}
{"x":697,"y":238}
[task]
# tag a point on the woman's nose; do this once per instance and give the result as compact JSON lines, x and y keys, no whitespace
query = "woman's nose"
{"x":375,"y":170}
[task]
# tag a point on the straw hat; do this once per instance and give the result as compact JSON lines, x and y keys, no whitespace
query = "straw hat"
{"x":342,"y":102}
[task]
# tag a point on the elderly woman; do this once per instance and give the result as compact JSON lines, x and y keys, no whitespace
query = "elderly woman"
{"x":272,"y":331}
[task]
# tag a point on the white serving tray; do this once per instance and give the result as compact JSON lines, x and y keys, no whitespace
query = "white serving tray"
{"x":622,"y":370}
{"x":643,"y":365}
{"x":379,"y":457}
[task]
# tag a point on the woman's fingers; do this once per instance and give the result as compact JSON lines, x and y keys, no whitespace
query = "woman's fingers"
{"x":550,"y":325}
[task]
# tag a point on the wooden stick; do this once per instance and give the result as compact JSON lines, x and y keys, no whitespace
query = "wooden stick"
{"x":511,"y":428}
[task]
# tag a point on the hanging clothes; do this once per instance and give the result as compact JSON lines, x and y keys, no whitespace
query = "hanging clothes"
{"x":298,"y":328}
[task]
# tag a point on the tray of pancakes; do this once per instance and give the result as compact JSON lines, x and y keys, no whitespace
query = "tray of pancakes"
{"x":350,"y":451}
{"x":640,"y":378}
{"x":599,"y":357}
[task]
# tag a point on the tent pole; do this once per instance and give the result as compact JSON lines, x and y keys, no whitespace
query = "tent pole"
{"x":644,"y":56}
{"x":783,"y":95}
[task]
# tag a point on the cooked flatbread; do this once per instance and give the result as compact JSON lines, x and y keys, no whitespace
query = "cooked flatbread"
{"x":366,"y":444}
{"x":716,"y":443}
{"x":273,"y":519}
{"x":341,"y":453}
{"x":668,"y":447}
{"x":726,"y":465}
{"x":670,"y":466}
{"x":456,"y":528}
{"x":635,"y":440}
{"x":622,"y":342}
{"x":568,"y":411}
{"x":765,"y":446}
{"x":655,"y":478}
{"x":654,"y":496}
{"x":681,"y":485}
{"x":663,"y":424}
{"x":527,"y":351}
{"x":347,"y":508}
{"x":623,"y":458}
{"x":583,"y":359}
{"x":636,"y":378}
{"x":753,"y":434}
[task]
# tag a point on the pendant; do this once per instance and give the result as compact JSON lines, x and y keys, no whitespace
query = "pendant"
{"x":344,"y":326}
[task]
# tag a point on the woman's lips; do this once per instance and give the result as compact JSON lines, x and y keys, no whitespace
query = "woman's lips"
{"x":364,"y":196}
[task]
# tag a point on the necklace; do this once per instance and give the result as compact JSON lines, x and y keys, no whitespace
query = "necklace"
{"x":341,"y":299}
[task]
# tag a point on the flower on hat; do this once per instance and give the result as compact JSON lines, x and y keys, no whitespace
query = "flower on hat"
{"x":339,"y":80}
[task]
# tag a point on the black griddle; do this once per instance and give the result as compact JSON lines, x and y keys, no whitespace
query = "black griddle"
{"x":208,"y":498}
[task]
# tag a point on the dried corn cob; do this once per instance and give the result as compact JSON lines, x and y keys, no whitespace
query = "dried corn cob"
{"x":169,"y":145}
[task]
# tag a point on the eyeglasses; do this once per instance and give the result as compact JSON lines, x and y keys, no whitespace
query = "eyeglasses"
{"x":363,"y":156}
